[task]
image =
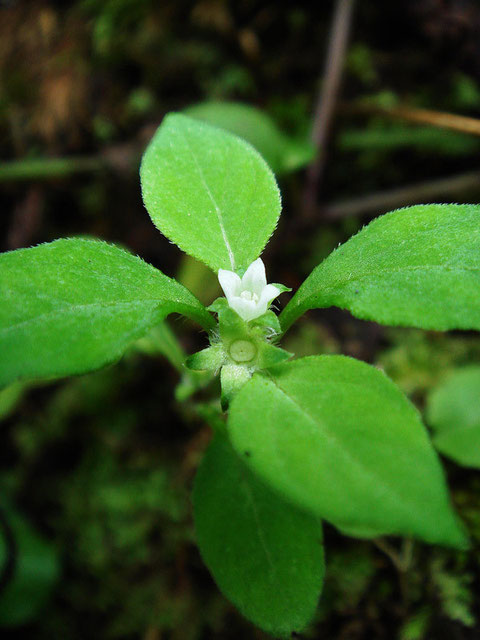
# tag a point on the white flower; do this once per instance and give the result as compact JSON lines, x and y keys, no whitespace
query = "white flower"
{"x":249,"y":296}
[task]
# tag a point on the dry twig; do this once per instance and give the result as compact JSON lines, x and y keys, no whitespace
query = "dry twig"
{"x":381,"y":201}
{"x":327,"y":99}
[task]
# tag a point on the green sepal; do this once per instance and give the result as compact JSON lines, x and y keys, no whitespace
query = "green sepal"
{"x":191,"y":383}
{"x":282,"y":287}
{"x":232,"y":326}
{"x":209,"y":359}
{"x":235,"y":374}
{"x":232,"y":379}
{"x":269,"y":323}
{"x":269,"y":355}
{"x":218,"y":305}
{"x":244,"y":348}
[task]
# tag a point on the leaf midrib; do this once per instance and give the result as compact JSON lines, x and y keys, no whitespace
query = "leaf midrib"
{"x":256,"y":515}
{"x":294,"y":311}
{"x":81,"y":307}
{"x":217,"y":209}
{"x":345,"y":452}
{"x":363,"y":276}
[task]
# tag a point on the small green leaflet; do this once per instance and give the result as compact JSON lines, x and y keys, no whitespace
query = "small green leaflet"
{"x":209,"y":192}
{"x":74,"y":305}
{"x":338,"y":438}
{"x":453,"y":411}
{"x":265,"y":555}
{"x":34,"y":572}
{"x":418,"y":267}
{"x":10,"y":397}
{"x":281,"y":152}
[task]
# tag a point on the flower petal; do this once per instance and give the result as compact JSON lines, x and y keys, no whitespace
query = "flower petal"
{"x":255,"y":278}
{"x":268,"y":294}
{"x":230,"y":283}
{"x":246,"y":309}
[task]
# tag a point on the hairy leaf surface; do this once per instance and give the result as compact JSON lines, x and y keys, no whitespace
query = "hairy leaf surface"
{"x":74,"y":305}
{"x":453,"y":410}
{"x":281,"y":152}
{"x":337,"y":437}
{"x":417,"y":267}
{"x":209,"y":192}
{"x":265,"y":555}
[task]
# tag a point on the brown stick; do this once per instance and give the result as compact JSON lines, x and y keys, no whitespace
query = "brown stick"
{"x":439,"y":119}
{"x":327,"y":99}
{"x":382,"y":201}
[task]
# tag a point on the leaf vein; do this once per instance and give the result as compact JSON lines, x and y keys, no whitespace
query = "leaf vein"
{"x":218,"y":211}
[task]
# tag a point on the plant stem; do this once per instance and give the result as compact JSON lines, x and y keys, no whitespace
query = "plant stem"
{"x":401,"y":559}
{"x":389,"y":551}
{"x":45,"y":168}
{"x":165,"y":342}
{"x":161,"y":340}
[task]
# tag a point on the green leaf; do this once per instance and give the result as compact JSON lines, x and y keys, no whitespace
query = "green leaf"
{"x":209,"y":359}
{"x":453,"y":411}
{"x":209,"y":192}
{"x":265,"y":555}
{"x":282,"y":153}
{"x":337,"y":437}
{"x":34,"y":571}
{"x":232,"y":378}
{"x":74,"y":305}
{"x":418,"y":267}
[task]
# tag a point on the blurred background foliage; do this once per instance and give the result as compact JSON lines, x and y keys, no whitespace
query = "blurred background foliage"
{"x":95,"y":472}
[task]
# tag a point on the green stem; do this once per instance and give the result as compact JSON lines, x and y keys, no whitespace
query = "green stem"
{"x":401,"y":559}
{"x":165,"y":342}
{"x":44,"y":168}
{"x":161,"y":340}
